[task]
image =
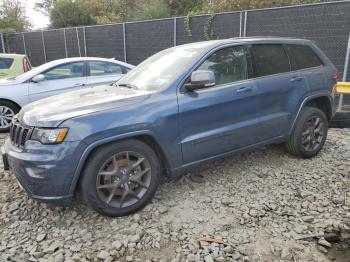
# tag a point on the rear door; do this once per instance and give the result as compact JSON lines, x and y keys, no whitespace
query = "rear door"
{"x":100,"y":72}
{"x":279,"y":89}
{"x":311,"y":66}
{"x":59,"y":79}
{"x":222,"y":118}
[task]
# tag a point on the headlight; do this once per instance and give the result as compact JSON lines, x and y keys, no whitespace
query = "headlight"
{"x":49,"y":136}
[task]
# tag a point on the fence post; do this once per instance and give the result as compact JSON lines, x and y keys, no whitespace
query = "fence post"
{"x":175,"y":40}
{"x":24,"y":44}
{"x":44,"y":47}
{"x":3,"y":43}
{"x":240,"y":23}
{"x":124,"y":41}
{"x":65,"y":42}
{"x":245,"y":23}
{"x":345,"y":72}
{"x":85,"y":49}
{"x":76,"y":30}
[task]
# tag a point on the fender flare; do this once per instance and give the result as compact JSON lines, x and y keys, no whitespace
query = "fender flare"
{"x":303,"y":103}
{"x":90,"y":147}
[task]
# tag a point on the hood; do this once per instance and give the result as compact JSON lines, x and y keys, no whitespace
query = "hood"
{"x":4,"y":81}
{"x":52,"y":111}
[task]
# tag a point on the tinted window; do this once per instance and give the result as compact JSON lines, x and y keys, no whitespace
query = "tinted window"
{"x":103,"y":68}
{"x":6,"y":63}
{"x":70,"y":70}
{"x":229,"y":65}
{"x":304,"y":56}
{"x":270,"y":60}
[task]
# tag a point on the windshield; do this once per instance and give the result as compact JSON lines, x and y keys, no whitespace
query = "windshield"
{"x":161,"y":69}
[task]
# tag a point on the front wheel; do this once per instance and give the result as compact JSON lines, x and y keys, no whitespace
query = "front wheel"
{"x":121,"y":178}
{"x":309,"y":134}
{"x":7,"y":111}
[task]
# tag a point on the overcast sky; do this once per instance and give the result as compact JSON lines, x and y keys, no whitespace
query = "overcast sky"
{"x":37,"y":19}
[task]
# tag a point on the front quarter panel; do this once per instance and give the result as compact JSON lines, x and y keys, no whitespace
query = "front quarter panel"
{"x":156,"y":116}
{"x":17,"y":93}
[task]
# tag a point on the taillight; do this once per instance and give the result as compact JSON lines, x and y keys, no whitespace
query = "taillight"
{"x":336,"y":75}
{"x":26,"y":66}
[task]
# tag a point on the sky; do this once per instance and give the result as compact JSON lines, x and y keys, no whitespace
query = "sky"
{"x":37,"y":19}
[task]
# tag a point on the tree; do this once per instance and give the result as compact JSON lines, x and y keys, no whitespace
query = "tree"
{"x":69,"y":13}
{"x":45,"y":6}
{"x":182,"y":7}
{"x":12,"y":18}
{"x":232,"y":5}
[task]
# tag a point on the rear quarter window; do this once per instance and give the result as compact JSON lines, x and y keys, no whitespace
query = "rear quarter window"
{"x":304,"y":56}
{"x":270,"y":59}
{"x":5,"y":63}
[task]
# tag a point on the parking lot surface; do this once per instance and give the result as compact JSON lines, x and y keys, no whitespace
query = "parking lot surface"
{"x":260,"y":206}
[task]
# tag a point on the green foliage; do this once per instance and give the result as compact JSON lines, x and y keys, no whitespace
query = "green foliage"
{"x":12,"y":18}
{"x":87,"y":12}
{"x":208,"y":32}
{"x":69,"y":13}
{"x":153,"y":9}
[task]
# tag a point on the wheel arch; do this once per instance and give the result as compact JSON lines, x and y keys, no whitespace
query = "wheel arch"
{"x":145,"y":137}
{"x":11,"y":101}
{"x":321,"y":101}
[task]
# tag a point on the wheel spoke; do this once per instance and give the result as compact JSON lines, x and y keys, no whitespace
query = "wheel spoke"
{"x":138,"y":177}
{"x":126,"y":193}
{"x":138,"y":162}
{"x":105,"y":186}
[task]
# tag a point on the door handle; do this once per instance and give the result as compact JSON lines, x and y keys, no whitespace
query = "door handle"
{"x":79,"y":84}
{"x":296,"y":79}
{"x":244,"y":89}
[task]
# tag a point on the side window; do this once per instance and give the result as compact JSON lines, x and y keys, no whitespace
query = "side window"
{"x":304,"y":56}
{"x":270,"y":59}
{"x":228,"y":64}
{"x":65,"y":71}
{"x":104,"y":68}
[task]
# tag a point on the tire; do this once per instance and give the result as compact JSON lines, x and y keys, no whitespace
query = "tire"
{"x":7,"y":111}
{"x":109,"y":175}
{"x":304,"y":142}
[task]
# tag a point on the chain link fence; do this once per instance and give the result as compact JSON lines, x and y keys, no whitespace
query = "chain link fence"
{"x":328,"y":24}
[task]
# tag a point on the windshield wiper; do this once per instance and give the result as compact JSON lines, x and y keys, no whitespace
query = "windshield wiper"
{"x":128,"y":86}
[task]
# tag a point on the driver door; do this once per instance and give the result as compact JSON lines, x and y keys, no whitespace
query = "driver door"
{"x":222,"y":118}
{"x":59,"y":79}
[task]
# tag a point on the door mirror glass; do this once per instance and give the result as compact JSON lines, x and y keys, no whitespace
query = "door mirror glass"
{"x":201,"y":79}
{"x":38,"y":78}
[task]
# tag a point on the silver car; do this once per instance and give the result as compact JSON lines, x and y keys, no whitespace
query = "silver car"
{"x":53,"y":78}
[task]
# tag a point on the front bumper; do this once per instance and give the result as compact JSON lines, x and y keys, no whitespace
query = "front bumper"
{"x":44,"y":171}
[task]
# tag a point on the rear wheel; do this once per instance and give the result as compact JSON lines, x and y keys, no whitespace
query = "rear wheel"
{"x":121,"y":178}
{"x":7,"y":111}
{"x":309,"y":134}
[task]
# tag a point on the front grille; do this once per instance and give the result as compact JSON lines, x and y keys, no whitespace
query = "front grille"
{"x":19,"y":134}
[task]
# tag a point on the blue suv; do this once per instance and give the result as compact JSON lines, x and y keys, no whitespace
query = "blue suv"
{"x":178,"y":109}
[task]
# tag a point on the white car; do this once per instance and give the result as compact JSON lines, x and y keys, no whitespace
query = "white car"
{"x":53,"y":78}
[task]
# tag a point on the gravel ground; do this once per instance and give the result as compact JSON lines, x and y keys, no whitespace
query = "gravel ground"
{"x":261,"y":206}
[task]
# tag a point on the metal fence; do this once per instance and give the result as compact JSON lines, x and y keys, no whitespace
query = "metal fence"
{"x":328,"y":24}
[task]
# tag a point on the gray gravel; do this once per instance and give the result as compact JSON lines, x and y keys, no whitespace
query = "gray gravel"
{"x":260,"y":206}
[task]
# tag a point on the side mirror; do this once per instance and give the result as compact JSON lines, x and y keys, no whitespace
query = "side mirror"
{"x":201,"y":79}
{"x":38,"y":78}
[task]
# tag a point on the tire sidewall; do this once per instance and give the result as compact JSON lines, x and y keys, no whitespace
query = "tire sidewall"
{"x":99,"y":158}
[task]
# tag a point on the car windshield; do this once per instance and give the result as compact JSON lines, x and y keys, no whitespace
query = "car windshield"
{"x":161,"y":69}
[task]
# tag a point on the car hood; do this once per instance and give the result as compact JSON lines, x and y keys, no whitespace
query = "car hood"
{"x":52,"y":111}
{"x":5,"y":82}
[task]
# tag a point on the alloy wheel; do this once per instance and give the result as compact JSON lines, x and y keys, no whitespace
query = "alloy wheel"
{"x":6,"y":116}
{"x":123,"y":179}
{"x":313,"y":133}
